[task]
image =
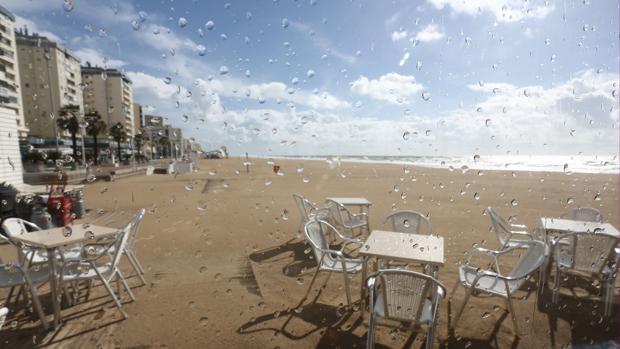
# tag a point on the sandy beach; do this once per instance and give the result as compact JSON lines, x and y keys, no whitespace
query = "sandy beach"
{"x":226,"y":267}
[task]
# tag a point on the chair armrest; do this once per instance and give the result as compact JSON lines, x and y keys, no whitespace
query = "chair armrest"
{"x":483,"y":251}
{"x":364,"y":214}
{"x":31,"y":225}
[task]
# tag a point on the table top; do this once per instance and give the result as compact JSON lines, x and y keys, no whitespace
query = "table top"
{"x":56,"y":237}
{"x":350,"y":201}
{"x":570,"y":225}
{"x":405,"y":247}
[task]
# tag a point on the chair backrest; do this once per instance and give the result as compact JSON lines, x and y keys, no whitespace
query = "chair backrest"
{"x":404,"y":293}
{"x":135,"y":224}
{"x":590,"y":251}
{"x":304,"y":205}
{"x":531,"y":259}
{"x":13,"y":227}
{"x":3,"y":313}
{"x":500,"y":226}
{"x":120,"y":245}
{"x":408,"y":222}
{"x":335,"y":211}
{"x":588,"y":214}
{"x":316,"y":232}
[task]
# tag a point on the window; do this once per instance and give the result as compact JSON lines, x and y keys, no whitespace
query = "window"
{"x":407,"y":146}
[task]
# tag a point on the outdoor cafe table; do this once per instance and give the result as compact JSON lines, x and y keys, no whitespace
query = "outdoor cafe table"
{"x":362,"y":203}
{"x":404,"y":247}
{"x":557,"y":226}
{"x":55,"y":238}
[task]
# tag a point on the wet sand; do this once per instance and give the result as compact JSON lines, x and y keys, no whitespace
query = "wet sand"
{"x":226,"y":267}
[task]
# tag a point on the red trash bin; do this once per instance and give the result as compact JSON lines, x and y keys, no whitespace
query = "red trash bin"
{"x":59,"y":204}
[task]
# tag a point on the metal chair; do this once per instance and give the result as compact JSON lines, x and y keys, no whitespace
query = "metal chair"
{"x":509,"y":234}
{"x":129,"y":251}
{"x":343,"y":217}
{"x":330,"y":260}
{"x":98,"y":262}
{"x":307,"y":210}
{"x":16,"y":275}
{"x":587,"y":214}
{"x":404,"y":295}
{"x":588,"y":255}
{"x":408,"y":222}
{"x":494,"y":282}
{"x":3,"y":313}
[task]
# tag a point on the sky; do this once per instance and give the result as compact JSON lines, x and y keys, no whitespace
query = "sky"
{"x":336,"y":77}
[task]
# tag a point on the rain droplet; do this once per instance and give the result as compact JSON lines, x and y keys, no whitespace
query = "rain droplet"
{"x":310,"y":73}
{"x":201,"y":50}
{"x":514,"y":202}
{"x":182,"y":22}
{"x":406,"y":135}
{"x":476,"y":158}
{"x":418,"y":65}
{"x":487,"y":122}
{"x":570,"y":200}
{"x":476,"y":196}
{"x":306,"y":179}
{"x":210,"y":25}
{"x":285,"y":23}
{"x":68,"y":5}
{"x":284,"y":215}
{"x":189,"y":187}
{"x":223,"y":70}
{"x":426,"y":96}
{"x":66,"y":231}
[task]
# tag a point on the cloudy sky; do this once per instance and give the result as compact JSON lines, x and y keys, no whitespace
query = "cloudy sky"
{"x":427,"y":77}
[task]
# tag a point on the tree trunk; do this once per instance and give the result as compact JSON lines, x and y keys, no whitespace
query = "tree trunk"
{"x":118,"y":149}
{"x":95,"y":149}
{"x":74,"y":145}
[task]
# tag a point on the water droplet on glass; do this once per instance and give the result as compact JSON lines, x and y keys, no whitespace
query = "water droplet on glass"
{"x":476,"y":158}
{"x":68,"y":5}
{"x":223,"y":70}
{"x":418,"y":65}
{"x":202,"y":50}
{"x":285,"y":23}
{"x":182,"y":22}
{"x":67,"y":231}
{"x":210,"y":25}
{"x":406,"y":135}
{"x":306,"y":179}
{"x":476,"y":196}
{"x":487,"y":122}
{"x":189,"y":187}
{"x":514,"y":202}
{"x":284,"y":215}
{"x":426,"y":96}
{"x":310,"y":73}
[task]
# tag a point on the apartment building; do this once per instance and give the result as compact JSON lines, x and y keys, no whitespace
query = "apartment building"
{"x":50,"y":79}
{"x":138,"y":117}
{"x":10,"y":94}
{"x":109,"y":92}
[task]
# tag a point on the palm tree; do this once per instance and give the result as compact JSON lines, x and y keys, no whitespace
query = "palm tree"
{"x":94,"y":127}
{"x":138,"y":141}
{"x":69,"y":121}
{"x":118,"y":134}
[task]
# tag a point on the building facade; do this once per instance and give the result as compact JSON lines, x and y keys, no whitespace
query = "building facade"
{"x":138,"y":118}
{"x":50,"y":79}
{"x":10,"y":94}
{"x":109,"y":92}
{"x":10,"y":158}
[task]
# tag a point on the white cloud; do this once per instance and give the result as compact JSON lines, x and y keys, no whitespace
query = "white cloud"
{"x":399,"y":35}
{"x":95,"y":57}
{"x":33,"y":27}
{"x":504,"y":11}
{"x":429,"y":33}
{"x":391,"y":87}
{"x":323,"y":43}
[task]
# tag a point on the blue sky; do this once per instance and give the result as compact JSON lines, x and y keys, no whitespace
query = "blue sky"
{"x":444,"y":77}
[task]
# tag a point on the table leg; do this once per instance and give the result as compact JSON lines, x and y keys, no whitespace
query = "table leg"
{"x":363,"y":287}
{"x":51,"y":258}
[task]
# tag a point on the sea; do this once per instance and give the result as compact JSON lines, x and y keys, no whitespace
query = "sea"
{"x":543,"y":163}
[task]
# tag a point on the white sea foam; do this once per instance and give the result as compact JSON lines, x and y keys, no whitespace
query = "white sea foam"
{"x":543,"y":163}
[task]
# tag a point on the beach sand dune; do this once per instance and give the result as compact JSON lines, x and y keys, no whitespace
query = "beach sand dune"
{"x":226,"y":267}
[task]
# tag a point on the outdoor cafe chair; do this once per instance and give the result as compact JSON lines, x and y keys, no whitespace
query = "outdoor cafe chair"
{"x":330,"y":260}
{"x":100,"y":259}
{"x":509,"y":234}
{"x":587,"y":255}
{"x":493,"y":282}
{"x":307,"y":210}
{"x":3,"y":313}
{"x":588,"y":214}
{"x":16,"y":275}
{"x":405,"y":296}
{"x":129,"y":251}
{"x":408,"y":222}
{"x":343,"y":217}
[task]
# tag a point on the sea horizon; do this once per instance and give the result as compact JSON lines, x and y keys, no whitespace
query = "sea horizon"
{"x":603,"y":164}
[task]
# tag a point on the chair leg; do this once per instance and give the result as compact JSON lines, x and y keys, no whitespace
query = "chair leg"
{"x":347,"y":288}
{"x":370,"y":337}
{"x":135,"y":258}
{"x":608,"y":293}
{"x":460,"y":312}
{"x":124,"y":282}
{"x":36,"y":303}
{"x":318,"y":269}
{"x":456,"y":286}
{"x":135,"y":267}
{"x":513,"y":315}
{"x":8,"y":297}
{"x":111,"y":292}
{"x":430,"y":335}
{"x":556,"y":288}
